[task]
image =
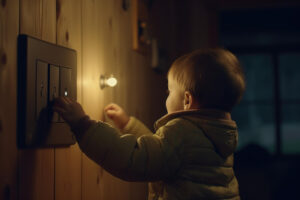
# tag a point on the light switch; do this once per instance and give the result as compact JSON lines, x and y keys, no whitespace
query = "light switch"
{"x":65,"y":82}
{"x":45,"y":71}
{"x":41,"y":87}
{"x":54,"y":87}
{"x":65,"y":76}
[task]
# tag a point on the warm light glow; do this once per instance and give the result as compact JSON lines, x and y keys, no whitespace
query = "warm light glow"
{"x":111,"y":82}
{"x":104,"y":82}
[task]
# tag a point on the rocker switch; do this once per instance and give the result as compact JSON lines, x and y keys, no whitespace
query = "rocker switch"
{"x":65,"y":76}
{"x":41,"y":89}
{"x":54,"y":87}
{"x":65,"y":82}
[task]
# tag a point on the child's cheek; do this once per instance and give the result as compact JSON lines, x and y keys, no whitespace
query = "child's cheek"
{"x":168,"y":104}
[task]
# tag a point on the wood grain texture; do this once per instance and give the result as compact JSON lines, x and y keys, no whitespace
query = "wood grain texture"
{"x":68,"y":160}
{"x":93,"y":64}
{"x":36,"y":166}
{"x":107,"y":49}
{"x":9,"y":28}
{"x":37,"y":18}
{"x":68,"y":173}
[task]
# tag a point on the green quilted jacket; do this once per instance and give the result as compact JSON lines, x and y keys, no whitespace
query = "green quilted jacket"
{"x":190,"y":156}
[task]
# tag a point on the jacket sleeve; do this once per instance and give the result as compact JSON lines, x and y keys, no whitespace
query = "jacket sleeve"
{"x":136,"y":127}
{"x":146,"y":158}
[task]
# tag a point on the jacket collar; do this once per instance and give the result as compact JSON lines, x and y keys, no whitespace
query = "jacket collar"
{"x":203,"y":113}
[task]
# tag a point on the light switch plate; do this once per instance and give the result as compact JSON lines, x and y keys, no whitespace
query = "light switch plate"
{"x":39,"y":60}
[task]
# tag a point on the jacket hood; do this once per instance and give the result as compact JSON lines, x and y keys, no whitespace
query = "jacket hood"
{"x":216,"y":125}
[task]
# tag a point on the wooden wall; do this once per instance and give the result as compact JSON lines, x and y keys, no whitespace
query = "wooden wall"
{"x":100,"y":32}
{"x":9,"y":28}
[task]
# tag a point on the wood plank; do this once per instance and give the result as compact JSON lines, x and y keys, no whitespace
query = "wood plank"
{"x":92,"y":66}
{"x":37,"y":18}
{"x":9,"y":28}
{"x":36,"y":166}
{"x":68,"y":160}
{"x":107,"y":49}
{"x":68,"y":173}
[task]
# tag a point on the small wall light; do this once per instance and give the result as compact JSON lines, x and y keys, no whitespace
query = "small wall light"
{"x":107,"y":82}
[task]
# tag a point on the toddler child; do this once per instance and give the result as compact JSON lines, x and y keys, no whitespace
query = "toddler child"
{"x":190,"y":156}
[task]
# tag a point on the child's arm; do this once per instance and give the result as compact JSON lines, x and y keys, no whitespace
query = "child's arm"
{"x":126,"y":124}
{"x":136,"y":127}
{"x":147,"y":158}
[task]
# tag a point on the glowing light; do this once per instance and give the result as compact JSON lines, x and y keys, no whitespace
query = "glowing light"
{"x":111,"y":82}
{"x":104,"y":82}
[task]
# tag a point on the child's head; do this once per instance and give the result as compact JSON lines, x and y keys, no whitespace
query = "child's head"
{"x":209,"y":78}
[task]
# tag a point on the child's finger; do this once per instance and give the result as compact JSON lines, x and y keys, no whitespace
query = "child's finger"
{"x":110,"y":107}
{"x":111,"y":113}
{"x":58,"y":109}
{"x":67,"y":100}
{"x":106,"y":107}
{"x":59,"y":101}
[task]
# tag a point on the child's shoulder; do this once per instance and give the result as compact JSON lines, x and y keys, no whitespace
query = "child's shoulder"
{"x":178,"y":125}
{"x":176,"y":122}
{"x":173,"y":119}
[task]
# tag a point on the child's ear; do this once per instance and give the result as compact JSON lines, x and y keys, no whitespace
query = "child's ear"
{"x":188,"y":100}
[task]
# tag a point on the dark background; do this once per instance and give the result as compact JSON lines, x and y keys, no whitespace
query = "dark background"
{"x":265,"y":36}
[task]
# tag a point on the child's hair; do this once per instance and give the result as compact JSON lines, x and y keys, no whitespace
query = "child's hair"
{"x":213,"y":76}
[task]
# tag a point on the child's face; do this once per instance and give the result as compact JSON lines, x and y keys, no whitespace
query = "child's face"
{"x":175,"y":99}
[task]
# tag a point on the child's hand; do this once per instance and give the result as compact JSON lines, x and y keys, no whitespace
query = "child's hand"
{"x":117,"y":114}
{"x":69,"y":110}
